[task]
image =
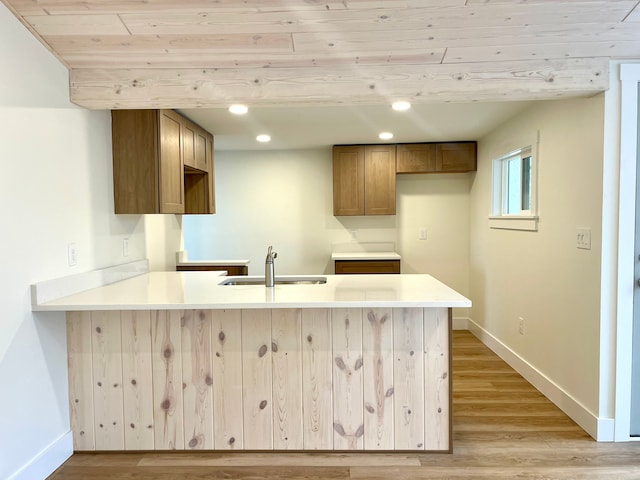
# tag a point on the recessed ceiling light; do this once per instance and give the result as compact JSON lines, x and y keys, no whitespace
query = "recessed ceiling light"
{"x":238,"y":109}
{"x":401,"y":106}
{"x":263,"y":138}
{"x":385,"y":136}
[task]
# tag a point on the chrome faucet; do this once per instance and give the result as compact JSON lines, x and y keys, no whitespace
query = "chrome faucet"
{"x":269,"y":274}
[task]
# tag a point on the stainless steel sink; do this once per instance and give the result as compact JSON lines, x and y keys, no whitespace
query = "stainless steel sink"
{"x":285,"y":280}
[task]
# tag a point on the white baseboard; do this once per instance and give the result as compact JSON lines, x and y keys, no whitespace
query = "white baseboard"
{"x":47,"y":461}
{"x":599,"y":428}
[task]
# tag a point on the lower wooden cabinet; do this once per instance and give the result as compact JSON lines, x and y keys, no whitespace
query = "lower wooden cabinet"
{"x":355,"y":267}
{"x":232,"y":270}
{"x":260,"y":379}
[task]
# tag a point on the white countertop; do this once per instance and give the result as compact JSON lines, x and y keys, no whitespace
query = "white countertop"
{"x":215,"y":262}
{"x":202,"y":290}
{"x":365,"y":256}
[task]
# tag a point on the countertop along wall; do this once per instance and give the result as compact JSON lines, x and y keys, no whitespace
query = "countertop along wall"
{"x":56,"y":188}
{"x":541,"y":276}
{"x":284,"y":199}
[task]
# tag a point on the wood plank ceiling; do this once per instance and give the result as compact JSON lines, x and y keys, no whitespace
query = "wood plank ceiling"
{"x":210,"y":53}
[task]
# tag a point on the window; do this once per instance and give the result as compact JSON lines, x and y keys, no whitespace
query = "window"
{"x":514,"y":187}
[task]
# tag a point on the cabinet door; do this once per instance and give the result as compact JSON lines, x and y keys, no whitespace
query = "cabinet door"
{"x":202,"y":147}
{"x":199,"y":192}
{"x":348,"y":180}
{"x":211,"y":174}
{"x":416,"y":158}
{"x":456,"y":157}
{"x":380,"y":180}
{"x":189,"y":139}
{"x":171,"y":162}
{"x":134,"y":135}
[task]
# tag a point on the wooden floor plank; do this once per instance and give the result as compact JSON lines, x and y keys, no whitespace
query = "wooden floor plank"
{"x":503,"y":428}
{"x":501,"y":472}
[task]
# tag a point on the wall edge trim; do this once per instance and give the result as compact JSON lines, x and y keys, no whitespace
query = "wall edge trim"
{"x":47,"y":460}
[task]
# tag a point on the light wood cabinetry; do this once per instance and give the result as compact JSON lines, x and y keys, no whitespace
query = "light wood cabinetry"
{"x":343,"y":379}
{"x":357,"y":267}
{"x":452,"y":157}
{"x":364,"y":180}
{"x":162,"y":163}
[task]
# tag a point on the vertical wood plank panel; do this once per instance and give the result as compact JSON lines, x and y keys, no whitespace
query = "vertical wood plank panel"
{"x":197,"y":379}
{"x":437,"y":378}
{"x":377,"y":353}
{"x":348,"y":422}
{"x":167,"y":380}
{"x":80,"y":380}
{"x":226,"y":333}
{"x":286,"y":348}
{"x":317,"y":379}
{"x":256,"y":375}
{"x":408,"y":379}
{"x":136,"y":379}
{"x":107,"y":376}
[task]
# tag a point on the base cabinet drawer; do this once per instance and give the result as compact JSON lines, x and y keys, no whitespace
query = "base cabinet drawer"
{"x":355,"y":267}
{"x":232,"y":270}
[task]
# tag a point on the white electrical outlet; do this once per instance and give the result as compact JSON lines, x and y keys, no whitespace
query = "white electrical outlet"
{"x":72,"y":254}
{"x":521,"y":325}
{"x":125,"y":247}
{"x":583,"y":238}
{"x":422,"y":233}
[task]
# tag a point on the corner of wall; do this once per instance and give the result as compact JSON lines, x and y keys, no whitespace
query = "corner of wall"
{"x":163,"y":238}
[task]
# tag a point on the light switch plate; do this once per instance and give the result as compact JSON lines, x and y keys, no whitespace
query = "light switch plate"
{"x":72,"y":254}
{"x":583,"y":238}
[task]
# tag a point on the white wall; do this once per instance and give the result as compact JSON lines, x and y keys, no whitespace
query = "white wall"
{"x":56,"y":189}
{"x":285,"y":199}
{"x":163,"y":234}
{"x":541,"y":276}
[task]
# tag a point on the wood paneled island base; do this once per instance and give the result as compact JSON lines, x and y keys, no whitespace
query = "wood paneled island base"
{"x":261,"y":379}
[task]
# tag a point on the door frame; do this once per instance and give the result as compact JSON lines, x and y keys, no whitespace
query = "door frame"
{"x":629,"y":84}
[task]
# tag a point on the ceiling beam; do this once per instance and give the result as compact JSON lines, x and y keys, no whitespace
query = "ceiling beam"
{"x":341,"y":85}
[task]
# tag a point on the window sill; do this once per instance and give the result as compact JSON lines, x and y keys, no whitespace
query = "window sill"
{"x":515,"y":222}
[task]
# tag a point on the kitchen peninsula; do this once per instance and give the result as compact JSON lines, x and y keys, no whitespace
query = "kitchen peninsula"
{"x":177,"y":360}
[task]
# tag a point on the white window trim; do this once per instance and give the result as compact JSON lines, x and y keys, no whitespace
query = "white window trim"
{"x":514,"y":222}
{"x":526,"y":220}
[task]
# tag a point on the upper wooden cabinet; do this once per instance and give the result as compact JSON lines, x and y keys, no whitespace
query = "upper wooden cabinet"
{"x":456,"y":157}
{"x":364,"y":180}
{"x":195,"y":144}
{"x":453,"y":157}
{"x":162,"y":163}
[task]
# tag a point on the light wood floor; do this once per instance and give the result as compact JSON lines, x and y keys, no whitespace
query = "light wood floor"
{"x":503,"y":429}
